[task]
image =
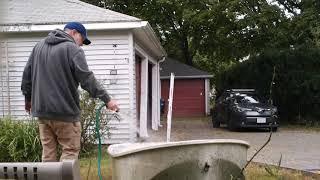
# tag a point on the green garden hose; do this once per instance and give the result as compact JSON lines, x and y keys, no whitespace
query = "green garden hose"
{"x":98,"y":110}
{"x":98,"y":113}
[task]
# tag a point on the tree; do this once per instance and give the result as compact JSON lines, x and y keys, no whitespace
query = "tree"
{"x":218,"y":30}
{"x":295,"y":72}
{"x":304,"y":25}
{"x":170,"y":19}
{"x":241,"y":28}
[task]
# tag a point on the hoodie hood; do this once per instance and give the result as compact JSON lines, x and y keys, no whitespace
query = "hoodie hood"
{"x":58,"y":36}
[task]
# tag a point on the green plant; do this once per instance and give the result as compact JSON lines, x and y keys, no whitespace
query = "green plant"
{"x":88,"y":114}
{"x":274,"y":171}
{"x":19,"y":141}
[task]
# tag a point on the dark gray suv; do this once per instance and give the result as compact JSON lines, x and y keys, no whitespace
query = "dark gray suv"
{"x":241,"y":108}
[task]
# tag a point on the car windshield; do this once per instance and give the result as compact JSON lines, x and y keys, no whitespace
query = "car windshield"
{"x":241,"y":98}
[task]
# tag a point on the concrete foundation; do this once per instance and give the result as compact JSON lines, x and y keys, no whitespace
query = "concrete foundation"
{"x":220,"y":159}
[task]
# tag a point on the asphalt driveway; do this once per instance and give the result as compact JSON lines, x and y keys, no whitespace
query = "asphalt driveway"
{"x":300,"y":149}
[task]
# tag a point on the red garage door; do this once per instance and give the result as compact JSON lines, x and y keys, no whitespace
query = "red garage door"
{"x":188,"y":97}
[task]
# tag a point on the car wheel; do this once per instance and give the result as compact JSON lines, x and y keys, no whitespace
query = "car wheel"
{"x":274,"y":129}
{"x":215,"y":122}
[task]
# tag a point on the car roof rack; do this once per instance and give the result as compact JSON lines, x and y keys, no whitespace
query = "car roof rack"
{"x":241,"y":90}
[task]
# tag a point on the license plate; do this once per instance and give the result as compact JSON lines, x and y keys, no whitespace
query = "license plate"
{"x":261,"y":120}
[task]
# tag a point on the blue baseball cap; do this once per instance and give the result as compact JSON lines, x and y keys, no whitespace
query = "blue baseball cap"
{"x":81,"y":29}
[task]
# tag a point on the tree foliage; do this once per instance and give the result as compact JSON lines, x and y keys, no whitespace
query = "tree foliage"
{"x":217,"y":36}
{"x":219,"y":30}
{"x":225,"y":30}
{"x":296,"y":91}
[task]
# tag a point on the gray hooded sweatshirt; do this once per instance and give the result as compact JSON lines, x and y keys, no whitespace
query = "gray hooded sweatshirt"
{"x":52,"y":75}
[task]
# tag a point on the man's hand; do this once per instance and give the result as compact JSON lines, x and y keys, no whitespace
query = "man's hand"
{"x":112,"y":105}
{"x":27,"y":106}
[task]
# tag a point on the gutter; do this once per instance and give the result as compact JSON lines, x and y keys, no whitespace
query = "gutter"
{"x":153,"y":37}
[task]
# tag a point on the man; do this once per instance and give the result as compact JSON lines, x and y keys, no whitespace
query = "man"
{"x":50,"y":81}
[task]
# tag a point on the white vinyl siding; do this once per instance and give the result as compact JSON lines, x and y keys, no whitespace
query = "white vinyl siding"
{"x":14,"y":57}
{"x":3,"y":80}
{"x":106,"y":54}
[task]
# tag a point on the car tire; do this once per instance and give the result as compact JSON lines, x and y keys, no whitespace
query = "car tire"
{"x":215,"y":122}
{"x":274,"y":129}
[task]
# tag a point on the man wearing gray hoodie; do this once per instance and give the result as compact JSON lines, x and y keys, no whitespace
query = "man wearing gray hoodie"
{"x":56,"y":67}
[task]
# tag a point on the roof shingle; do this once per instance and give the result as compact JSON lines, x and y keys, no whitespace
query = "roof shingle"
{"x":180,"y":70}
{"x":23,"y":12}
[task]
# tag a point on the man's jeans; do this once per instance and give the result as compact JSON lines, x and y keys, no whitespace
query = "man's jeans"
{"x":54,"y":132}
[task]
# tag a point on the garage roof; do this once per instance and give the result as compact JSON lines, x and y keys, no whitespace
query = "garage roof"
{"x":181,"y":70}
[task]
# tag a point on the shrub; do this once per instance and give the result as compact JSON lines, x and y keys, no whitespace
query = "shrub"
{"x":20,"y":140}
{"x":88,"y":123}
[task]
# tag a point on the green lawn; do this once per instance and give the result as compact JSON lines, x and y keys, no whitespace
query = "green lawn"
{"x":307,"y":128}
{"x":88,"y":170}
{"x":259,"y":171}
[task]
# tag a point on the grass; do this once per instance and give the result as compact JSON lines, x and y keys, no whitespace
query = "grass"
{"x":89,"y":167}
{"x":89,"y":170}
{"x":306,"y":128}
{"x":260,"y":171}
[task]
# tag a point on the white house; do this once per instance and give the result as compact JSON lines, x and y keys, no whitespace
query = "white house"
{"x":124,"y":54}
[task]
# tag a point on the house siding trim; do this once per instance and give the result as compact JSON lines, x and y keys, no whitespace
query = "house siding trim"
{"x":155,"y":87}
{"x":143,"y":129}
{"x":159,"y":95}
{"x":155,"y":118}
{"x":144,"y":98}
{"x":133,"y":125}
{"x":155,"y":99}
{"x":141,"y":29}
{"x":207,"y":97}
{"x":89,"y":26}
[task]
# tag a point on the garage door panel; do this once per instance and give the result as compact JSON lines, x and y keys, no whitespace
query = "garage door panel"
{"x":188,"y":98}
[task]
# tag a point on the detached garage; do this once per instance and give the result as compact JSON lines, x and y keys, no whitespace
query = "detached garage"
{"x":191,"y":89}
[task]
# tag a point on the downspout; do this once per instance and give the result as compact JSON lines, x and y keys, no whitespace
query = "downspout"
{"x":163,"y":58}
